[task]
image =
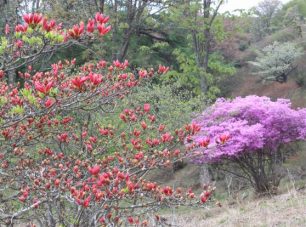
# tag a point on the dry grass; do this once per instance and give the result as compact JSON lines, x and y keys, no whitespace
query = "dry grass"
{"x":288,"y":209}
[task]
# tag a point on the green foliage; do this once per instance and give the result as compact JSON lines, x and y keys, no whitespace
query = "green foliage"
{"x":285,"y":35}
{"x":3,"y":101}
{"x":292,"y":15}
{"x":18,"y":110}
{"x":27,"y":93}
{"x":189,"y":73}
{"x":33,"y":40}
{"x":276,"y":61}
{"x":172,"y":104}
{"x":218,"y":28}
{"x":300,"y":5}
{"x":3,"y":44}
{"x":54,"y":37}
{"x":218,"y":66}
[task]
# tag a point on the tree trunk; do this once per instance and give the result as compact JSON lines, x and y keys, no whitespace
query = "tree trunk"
{"x":203,"y":84}
{"x":262,"y":187}
{"x":267,"y":171}
{"x":102,"y":3}
{"x":125,"y":46}
{"x":205,"y":176}
{"x":134,"y":12}
{"x":11,"y":77}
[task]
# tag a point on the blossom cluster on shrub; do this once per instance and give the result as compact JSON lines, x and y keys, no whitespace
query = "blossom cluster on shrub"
{"x":231,"y":128}
{"x":247,"y":137}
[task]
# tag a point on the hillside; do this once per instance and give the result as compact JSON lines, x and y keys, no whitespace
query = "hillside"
{"x":247,"y":84}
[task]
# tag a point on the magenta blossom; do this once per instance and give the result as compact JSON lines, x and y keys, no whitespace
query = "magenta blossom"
{"x":250,"y":124}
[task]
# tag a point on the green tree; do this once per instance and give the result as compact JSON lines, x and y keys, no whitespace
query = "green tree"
{"x":265,"y":12}
{"x":200,"y":20}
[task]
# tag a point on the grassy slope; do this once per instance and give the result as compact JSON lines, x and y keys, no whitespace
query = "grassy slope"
{"x":287,"y":209}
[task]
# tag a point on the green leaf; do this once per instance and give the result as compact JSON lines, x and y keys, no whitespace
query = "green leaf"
{"x":26,"y":92}
{"x":32,"y":100}
{"x":3,"y":44}
{"x":3,"y":100}
{"x":17,"y":110}
{"x":53,"y":92}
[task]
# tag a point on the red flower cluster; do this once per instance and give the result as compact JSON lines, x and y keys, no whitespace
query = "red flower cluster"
{"x":78,"y":82}
{"x":100,"y":18}
{"x":91,"y":25}
{"x":48,"y":26}
{"x":32,"y":19}
{"x":121,"y":66}
{"x":103,"y":29}
{"x":76,"y":31}
{"x":163,"y":69}
{"x":43,"y":88}
{"x":21,"y":28}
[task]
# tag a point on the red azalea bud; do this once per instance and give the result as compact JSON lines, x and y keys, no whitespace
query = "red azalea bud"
{"x":49,"y":102}
{"x":57,"y":182}
{"x":146,"y":107}
{"x":7,"y":29}
{"x":94,"y":170}
{"x":1,"y":74}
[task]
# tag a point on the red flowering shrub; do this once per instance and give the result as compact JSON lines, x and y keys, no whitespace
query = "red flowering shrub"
{"x":60,"y":164}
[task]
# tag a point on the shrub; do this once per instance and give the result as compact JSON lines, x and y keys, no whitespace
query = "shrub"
{"x":60,"y":163}
{"x":254,"y":132}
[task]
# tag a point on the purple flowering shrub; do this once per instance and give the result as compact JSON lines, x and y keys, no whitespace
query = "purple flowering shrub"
{"x":250,"y":132}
